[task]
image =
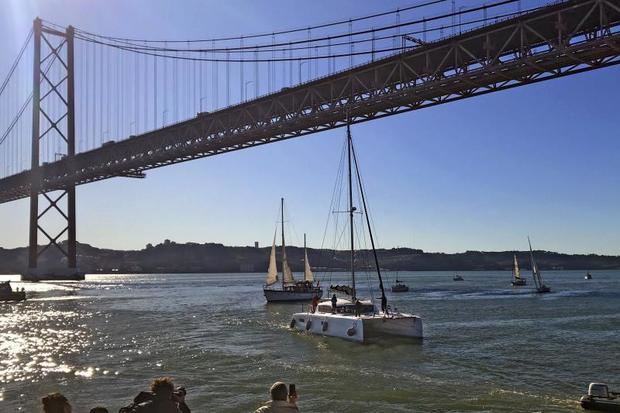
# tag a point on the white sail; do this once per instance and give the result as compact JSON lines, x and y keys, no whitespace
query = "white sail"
{"x":308,"y":276}
{"x":272,"y":272}
{"x":287,"y":274}
{"x":515,"y":270}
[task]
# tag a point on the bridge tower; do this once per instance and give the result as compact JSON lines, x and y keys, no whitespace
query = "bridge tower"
{"x":53,"y":116}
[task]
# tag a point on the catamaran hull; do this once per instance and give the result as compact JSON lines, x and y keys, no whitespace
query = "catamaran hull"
{"x":358,"y":329}
{"x":519,"y":282}
{"x":282,"y":295}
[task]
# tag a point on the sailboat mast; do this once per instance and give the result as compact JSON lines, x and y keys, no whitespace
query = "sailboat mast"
{"x":282,"y":225}
{"x":305,"y":254}
{"x":351,"y":210}
{"x":533,"y":264}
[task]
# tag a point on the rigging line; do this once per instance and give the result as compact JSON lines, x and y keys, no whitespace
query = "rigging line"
{"x":255,"y":36}
{"x":16,"y":62}
{"x":136,"y":47}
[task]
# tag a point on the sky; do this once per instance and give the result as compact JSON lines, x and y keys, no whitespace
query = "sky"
{"x":478,"y":174}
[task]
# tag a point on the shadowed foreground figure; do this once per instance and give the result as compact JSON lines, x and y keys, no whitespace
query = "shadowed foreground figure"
{"x":161,"y":399}
{"x":56,"y":403}
{"x":281,"y":401}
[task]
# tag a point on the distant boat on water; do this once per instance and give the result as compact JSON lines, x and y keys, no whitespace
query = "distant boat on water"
{"x":289,"y":290}
{"x":538,"y":279}
{"x":7,"y":293}
{"x":588,"y":276}
{"x":457,"y":277}
{"x":400,"y":287}
{"x":516,"y":274}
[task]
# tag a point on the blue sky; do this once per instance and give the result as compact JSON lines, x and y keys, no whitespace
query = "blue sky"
{"x":479,"y":174}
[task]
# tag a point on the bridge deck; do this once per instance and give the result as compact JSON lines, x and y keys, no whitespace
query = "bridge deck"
{"x":555,"y":41}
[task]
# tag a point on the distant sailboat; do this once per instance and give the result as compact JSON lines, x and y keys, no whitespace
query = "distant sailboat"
{"x":516,"y":274}
{"x":588,"y":276}
{"x":538,"y":279}
{"x":457,"y":277}
{"x":290,"y":290}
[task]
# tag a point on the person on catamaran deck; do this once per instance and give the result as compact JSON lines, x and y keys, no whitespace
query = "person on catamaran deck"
{"x":315,"y":303}
{"x":358,"y":308}
{"x":384,"y":304}
{"x":334,"y":302}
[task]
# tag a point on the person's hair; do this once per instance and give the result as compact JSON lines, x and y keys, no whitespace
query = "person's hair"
{"x":99,"y":409}
{"x":54,"y":403}
{"x":162,"y":386}
{"x":278,"y":391}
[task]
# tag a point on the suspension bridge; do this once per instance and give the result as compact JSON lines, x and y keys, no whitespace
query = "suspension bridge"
{"x":78,"y":107}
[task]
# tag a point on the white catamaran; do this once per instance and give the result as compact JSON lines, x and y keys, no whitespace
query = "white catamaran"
{"x":289,"y":289}
{"x":538,"y":279}
{"x":516,"y":274}
{"x":353,"y":318}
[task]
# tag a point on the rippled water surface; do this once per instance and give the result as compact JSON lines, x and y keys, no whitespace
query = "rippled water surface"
{"x":488,"y":347}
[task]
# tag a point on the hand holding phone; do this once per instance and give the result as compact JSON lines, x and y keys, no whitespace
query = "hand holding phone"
{"x":292,"y":393}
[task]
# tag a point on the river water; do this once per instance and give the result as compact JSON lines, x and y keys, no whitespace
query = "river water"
{"x":488,"y":347}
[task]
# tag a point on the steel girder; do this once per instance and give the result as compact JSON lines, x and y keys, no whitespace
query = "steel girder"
{"x":566,"y":38}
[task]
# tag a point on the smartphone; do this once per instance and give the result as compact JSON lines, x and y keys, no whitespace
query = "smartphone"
{"x":291,"y":390}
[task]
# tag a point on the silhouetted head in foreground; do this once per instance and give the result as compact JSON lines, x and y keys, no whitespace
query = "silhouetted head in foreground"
{"x":163,"y":388}
{"x":56,"y":403}
{"x":99,"y":410}
{"x":278,"y":391}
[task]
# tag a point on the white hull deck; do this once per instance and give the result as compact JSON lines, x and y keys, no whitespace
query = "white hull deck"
{"x":286,"y":295}
{"x":359,"y":329}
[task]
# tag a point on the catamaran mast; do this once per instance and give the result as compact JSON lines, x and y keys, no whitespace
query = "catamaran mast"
{"x":372,"y":239}
{"x":351,"y":210}
{"x":283,"y":252}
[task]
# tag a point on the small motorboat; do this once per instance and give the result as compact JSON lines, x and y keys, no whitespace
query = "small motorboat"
{"x":600,"y":398}
{"x":588,"y":276}
{"x":7,"y":293}
{"x":400,"y":287}
{"x":458,"y":278}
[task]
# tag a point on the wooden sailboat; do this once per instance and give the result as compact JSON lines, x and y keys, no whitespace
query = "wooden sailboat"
{"x":351,"y":317}
{"x":538,"y":279}
{"x":289,"y":289}
{"x":516,"y":274}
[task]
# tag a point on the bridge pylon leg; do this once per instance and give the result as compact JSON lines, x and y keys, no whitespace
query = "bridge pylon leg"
{"x":53,"y":87}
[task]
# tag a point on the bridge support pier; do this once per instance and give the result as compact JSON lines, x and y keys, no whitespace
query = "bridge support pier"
{"x":58,"y":50}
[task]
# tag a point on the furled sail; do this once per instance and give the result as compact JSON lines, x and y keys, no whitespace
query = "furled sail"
{"x":272,"y":272}
{"x":287,"y":274}
{"x":308,"y":276}
{"x":516,"y":271}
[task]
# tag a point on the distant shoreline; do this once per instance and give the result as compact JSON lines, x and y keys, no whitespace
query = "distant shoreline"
{"x":193,"y":258}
